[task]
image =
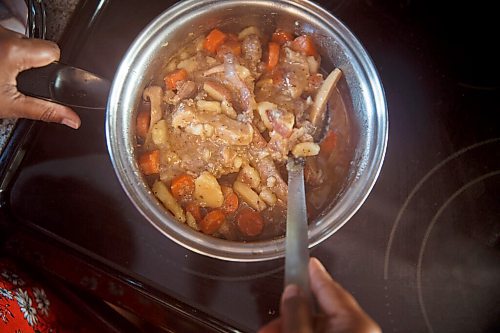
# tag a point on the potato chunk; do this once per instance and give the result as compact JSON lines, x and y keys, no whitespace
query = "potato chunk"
{"x":161,"y":191}
{"x":189,"y":64}
{"x":209,"y":106}
{"x":191,"y":221}
{"x":268,"y":196}
{"x":207,"y":191}
{"x":249,"y":176}
{"x":305,"y":149}
{"x":248,"y":195}
{"x":159,"y":133}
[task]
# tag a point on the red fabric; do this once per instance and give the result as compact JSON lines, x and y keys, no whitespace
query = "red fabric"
{"x":26,"y":306}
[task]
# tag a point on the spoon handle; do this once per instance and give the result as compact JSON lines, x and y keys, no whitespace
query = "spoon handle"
{"x":296,"y":243}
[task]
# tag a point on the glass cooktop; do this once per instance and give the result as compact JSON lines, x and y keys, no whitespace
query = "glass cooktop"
{"x":421,"y":255}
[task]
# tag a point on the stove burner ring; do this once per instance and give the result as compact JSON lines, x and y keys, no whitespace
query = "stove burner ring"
{"x":414,"y":191}
{"x":408,"y":201}
{"x":428,"y":233}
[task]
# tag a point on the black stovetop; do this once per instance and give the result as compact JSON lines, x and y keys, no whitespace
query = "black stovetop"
{"x":421,"y":255}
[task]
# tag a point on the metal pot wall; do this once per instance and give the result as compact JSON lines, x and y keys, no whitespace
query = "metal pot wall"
{"x":192,"y":18}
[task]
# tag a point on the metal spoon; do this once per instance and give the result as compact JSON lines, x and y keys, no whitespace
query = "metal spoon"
{"x":296,"y":243}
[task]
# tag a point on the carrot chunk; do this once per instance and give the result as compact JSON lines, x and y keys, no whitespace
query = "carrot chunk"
{"x":182,"y":186}
{"x":274,"y":55}
{"x":231,"y":203}
{"x":212,"y":221}
{"x":281,"y":37}
{"x":149,"y":162}
{"x":172,"y":78}
{"x":213,"y":40}
{"x":250,"y":222}
{"x":195,"y":210}
{"x":305,"y":45}
{"x":142,"y":124}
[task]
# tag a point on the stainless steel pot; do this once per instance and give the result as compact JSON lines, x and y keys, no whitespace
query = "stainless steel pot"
{"x":191,"y":18}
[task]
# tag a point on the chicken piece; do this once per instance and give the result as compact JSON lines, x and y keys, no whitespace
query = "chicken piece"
{"x":296,"y":73}
{"x":276,"y":119}
{"x":251,"y":50}
{"x":262,"y":161}
{"x":282,"y":122}
{"x":217,"y":91}
{"x":266,"y":169}
{"x":184,"y":115}
{"x":187,"y":90}
{"x":279,"y":146}
{"x":246,"y":96}
{"x":228,"y":130}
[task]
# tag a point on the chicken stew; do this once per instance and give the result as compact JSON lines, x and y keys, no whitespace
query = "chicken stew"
{"x":215,"y":129}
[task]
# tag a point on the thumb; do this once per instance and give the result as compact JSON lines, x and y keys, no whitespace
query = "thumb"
{"x":332,"y":297}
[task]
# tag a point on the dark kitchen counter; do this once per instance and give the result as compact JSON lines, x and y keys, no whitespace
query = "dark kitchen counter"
{"x":59,"y":13}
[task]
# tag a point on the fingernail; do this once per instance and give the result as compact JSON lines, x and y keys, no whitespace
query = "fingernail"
{"x":318,"y":264}
{"x":52,"y":45}
{"x":292,"y":290}
{"x":70,"y":123}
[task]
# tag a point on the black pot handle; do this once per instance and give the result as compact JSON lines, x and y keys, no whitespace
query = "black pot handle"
{"x":65,"y":85}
